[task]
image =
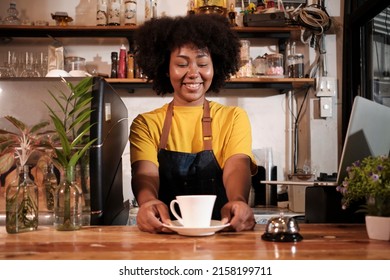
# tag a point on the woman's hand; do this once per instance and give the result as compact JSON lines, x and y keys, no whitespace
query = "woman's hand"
{"x":239,"y":215}
{"x":151,"y":216}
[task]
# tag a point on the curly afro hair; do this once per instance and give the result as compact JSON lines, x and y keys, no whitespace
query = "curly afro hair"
{"x":157,"y":38}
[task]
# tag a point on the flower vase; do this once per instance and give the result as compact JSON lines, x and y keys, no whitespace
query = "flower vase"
{"x":378,"y":217}
{"x":378,"y":228}
{"x":67,"y":204}
{"x":22,"y":203}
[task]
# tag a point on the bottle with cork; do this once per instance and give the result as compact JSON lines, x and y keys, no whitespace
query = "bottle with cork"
{"x":130,"y":12}
{"x":101,"y":14}
{"x":114,"y":11}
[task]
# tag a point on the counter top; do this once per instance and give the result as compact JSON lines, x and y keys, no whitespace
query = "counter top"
{"x":321,"y":241}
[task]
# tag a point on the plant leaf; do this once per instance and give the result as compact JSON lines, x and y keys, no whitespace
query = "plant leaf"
{"x":39,"y":126}
{"x":18,"y":124}
{"x":6,"y":162}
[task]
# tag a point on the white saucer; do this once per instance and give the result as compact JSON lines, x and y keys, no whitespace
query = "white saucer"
{"x":214,"y":227}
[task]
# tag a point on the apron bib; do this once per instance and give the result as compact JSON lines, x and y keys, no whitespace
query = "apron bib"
{"x":190,"y":173}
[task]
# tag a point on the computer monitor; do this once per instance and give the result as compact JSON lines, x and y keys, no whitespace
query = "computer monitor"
{"x":368,"y":133}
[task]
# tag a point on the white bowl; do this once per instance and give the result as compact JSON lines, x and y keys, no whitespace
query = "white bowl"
{"x":78,"y":73}
{"x":57,"y":73}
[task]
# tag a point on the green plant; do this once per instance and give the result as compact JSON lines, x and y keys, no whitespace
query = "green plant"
{"x":368,"y":179}
{"x":22,"y":144}
{"x":72,"y":124}
{"x":22,"y":193}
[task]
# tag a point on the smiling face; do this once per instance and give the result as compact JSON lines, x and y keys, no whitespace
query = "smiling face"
{"x":191,"y":73}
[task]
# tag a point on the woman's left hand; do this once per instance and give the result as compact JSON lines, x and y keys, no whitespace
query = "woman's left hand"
{"x":239,"y":215}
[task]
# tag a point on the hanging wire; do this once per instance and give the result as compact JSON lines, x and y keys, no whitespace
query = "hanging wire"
{"x":296,"y":126}
{"x":314,"y":21}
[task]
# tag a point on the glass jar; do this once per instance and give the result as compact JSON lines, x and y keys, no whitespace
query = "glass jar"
{"x":275,"y":65}
{"x":12,"y":15}
{"x":260,"y":66}
{"x":74,"y":63}
{"x":295,"y":66}
{"x":245,"y":51}
{"x":245,"y":60}
{"x":22,"y":203}
{"x":68,"y":202}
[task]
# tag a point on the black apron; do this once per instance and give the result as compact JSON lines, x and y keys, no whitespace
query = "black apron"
{"x":190,"y":173}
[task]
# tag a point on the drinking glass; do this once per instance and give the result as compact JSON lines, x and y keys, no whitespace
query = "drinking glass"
{"x":29,"y":69}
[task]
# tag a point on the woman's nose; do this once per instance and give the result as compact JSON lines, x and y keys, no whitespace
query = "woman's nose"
{"x":193,"y":72}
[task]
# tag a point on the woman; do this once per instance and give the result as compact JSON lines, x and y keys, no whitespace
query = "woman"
{"x":191,"y":145}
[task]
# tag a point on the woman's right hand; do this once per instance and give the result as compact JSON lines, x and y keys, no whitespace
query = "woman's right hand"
{"x":151,"y":216}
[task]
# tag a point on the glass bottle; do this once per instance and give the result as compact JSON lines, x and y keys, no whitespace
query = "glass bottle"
{"x":191,"y":10}
{"x":12,"y":15}
{"x":114,"y":11}
{"x":148,"y":9}
{"x":67,"y":202}
{"x":22,"y":203}
{"x":114,"y":65}
{"x":50,"y":184}
{"x":130,"y":65}
{"x":232,"y":15}
{"x":101,"y":14}
{"x":122,"y":62}
{"x":130,"y":12}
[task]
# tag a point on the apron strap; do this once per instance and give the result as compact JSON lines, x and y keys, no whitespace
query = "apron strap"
{"x":166,"y":127}
{"x":206,"y":126}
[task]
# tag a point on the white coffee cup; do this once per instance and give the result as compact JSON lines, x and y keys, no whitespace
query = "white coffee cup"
{"x":196,"y":210}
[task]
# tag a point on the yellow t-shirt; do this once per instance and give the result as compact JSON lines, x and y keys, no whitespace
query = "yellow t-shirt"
{"x":230,"y":126}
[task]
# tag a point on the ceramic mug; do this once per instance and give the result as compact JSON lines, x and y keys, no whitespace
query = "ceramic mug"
{"x":196,"y":210}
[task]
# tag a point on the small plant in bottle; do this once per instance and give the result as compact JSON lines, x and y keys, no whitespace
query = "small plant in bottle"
{"x":71,"y":145}
{"x":22,"y":193}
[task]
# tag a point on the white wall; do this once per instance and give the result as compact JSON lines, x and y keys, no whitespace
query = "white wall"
{"x":267,"y":109}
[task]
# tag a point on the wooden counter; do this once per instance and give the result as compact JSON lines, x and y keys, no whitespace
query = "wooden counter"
{"x":321,"y":241}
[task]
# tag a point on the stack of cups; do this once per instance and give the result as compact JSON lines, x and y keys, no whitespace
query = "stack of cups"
{"x":246,"y":64}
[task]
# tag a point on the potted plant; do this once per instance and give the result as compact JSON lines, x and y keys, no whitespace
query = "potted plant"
{"x":369,"y":180}
{"x":22,"y":193}
{"x":72,"y":125}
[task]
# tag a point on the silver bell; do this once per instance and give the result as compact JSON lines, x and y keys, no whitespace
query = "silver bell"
{"x":282,"y":229}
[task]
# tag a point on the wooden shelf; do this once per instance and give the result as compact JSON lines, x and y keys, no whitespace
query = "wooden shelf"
{"x":123,"y":31}
{"x":67,"y":31}
{"x":278,"y":32}
{"x":234,"y":83}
